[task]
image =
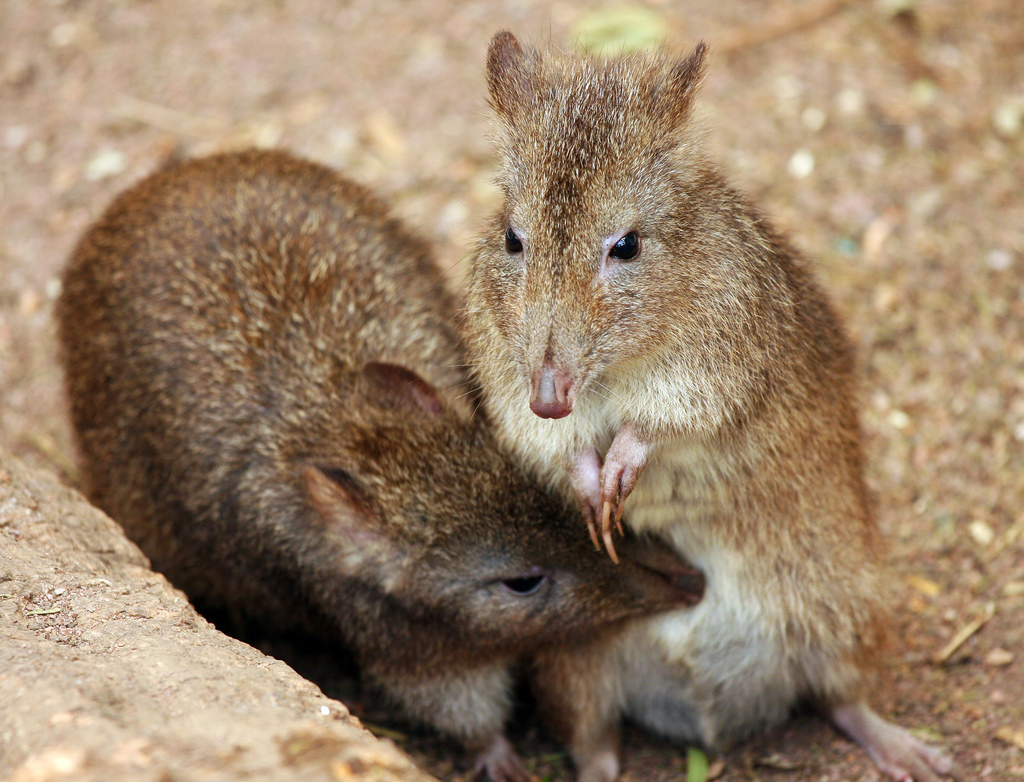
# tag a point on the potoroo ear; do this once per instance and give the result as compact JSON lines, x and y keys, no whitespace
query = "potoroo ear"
{"x":403,"y":389}
{"x":357,"y":538}
{"x":509,"y":76}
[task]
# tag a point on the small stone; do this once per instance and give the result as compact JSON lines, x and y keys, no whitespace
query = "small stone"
{"x":15,"y":137}
{"x":801,"y":164}
{"x":981,"y":532}
{"x":898,"y":419}
{"x":105,"y":164}
{"x":999,"y":657}
{"x":813,"y":118}
{"x":850,"y":101}
{"x":924,"y":91}
{"x":999,"y":260}
{"x":1008,"y":118}
{"x":52,"y":288}
{"x":67,"y":34}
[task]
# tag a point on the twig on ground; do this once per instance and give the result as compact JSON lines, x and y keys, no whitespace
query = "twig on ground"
{"x":784,"y":20}
{"x":966,"y":632}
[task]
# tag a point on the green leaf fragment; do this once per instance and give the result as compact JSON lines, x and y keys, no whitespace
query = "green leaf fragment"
{"x":696,"y":765}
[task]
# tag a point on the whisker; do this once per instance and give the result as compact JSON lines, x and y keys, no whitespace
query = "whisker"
{"x":612,"y":395}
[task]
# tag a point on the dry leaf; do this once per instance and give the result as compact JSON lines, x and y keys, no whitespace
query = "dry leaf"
{"x":1011,"y":736}
{"x":925,"y":586}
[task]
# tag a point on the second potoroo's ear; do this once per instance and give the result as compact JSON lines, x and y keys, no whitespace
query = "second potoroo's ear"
{"x":402,"y":388}
{"x":356,"y":536}
{"x":509,"y":80}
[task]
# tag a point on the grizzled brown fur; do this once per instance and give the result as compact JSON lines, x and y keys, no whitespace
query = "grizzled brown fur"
{"x":644,"y":336}
{"x":268,"y":393}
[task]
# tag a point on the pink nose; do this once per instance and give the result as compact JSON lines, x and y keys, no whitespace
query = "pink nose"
{"x":552,"y":393}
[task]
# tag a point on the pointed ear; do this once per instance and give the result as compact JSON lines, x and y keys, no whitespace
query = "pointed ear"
{"x":682,"y":82}
{"x":349,"y":521}
{"x":508,"y":76}
{"x":402,"y":388}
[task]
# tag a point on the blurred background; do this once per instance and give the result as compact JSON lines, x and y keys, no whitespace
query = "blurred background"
{"x":886,"y":136}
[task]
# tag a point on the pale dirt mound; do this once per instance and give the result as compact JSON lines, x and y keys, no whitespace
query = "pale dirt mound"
{"x":108,"y":673}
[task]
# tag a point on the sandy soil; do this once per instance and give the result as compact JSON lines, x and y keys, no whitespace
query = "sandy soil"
{"x":887,"y":137}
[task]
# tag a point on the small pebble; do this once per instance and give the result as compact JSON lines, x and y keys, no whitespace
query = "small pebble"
{"x":801,"y":164}
{"x":325,"y":710}
{"x":65,"y":34}
{"x":924,"y":91}
{"x":1008,"y":118}
{"x":850,"y":101}
{"x":898,"y":419}
{"x":15,"y":137}
{"x":999,"y":260}
{"x":999,"y":657}
{"x":105,"y":164}
{"x":813,"y":118}
{"x":981,"y":532}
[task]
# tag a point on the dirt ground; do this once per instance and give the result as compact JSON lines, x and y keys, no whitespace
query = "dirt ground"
{"x":886,"y":136}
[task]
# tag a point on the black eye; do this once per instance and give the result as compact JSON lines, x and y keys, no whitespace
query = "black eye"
{"x":627,"y":248}
{"x":524,"y":585}
{"x":512,"y":242}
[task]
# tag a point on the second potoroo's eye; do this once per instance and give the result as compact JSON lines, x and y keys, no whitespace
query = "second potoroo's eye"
{"x":524,"y":585}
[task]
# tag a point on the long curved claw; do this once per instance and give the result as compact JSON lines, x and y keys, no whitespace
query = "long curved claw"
{"x":606,"y":531}
{"x":592,"y":528}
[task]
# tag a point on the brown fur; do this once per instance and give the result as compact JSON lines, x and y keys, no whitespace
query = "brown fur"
{"x":712,"y":363}
{"x":269,"y":395}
